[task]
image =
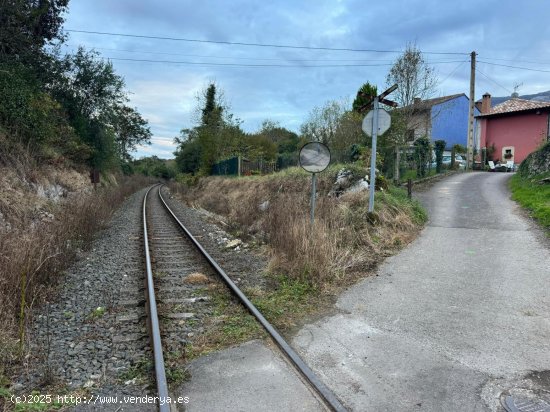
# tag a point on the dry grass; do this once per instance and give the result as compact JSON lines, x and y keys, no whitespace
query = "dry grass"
{"x":196,"y":279}
{"x":344,"y":241}
{"x":35,"y":250}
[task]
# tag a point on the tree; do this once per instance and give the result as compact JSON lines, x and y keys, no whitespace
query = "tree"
{"x":188,"y":156}
{"x":89,"y":86}
{"x":439,"y":149}
{"x":422,"y":151}
{"x":260,"y":148}
{"x":27,"y":25}
{"x":413,"y":76}
{"x":286,"y":141}
{"x":94,"y":98}
{"x":130,"y":130}
{"x":218,"y":134}
{"x":336,"y":126}
{"x":414,"y":79}
{"x":366,"y":93}
{"x":323,"y":122}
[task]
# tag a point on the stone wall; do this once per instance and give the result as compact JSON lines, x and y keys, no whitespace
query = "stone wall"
{"x":537,"y":162}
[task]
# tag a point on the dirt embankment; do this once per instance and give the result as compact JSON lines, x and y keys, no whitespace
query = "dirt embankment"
{"x":48,"y":215}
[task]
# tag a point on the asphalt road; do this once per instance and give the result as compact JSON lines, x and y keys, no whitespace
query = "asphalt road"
{"x":455,"y":322}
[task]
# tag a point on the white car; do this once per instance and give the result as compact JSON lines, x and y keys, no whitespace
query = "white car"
{"x":446,"y":160}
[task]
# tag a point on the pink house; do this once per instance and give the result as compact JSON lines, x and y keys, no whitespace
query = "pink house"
{"x":515,"y":128}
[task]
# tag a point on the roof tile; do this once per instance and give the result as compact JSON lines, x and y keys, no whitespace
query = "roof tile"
{"x":516,"y":105}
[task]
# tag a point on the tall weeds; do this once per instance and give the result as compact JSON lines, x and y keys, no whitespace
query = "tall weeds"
{"x":345,"y":239}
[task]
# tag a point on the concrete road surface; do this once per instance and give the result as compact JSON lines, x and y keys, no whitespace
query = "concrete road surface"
{"x":457,"y":321}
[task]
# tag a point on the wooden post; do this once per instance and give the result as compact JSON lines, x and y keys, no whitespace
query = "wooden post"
{"x":470,"y":148}
{"x":409,"y":188}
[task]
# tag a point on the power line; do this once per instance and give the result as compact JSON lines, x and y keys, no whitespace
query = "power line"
{"x":253,"y":58}
{"x":515,"y":67}
{"x":253,"y":65}
{"x":491,"y":80}
{"x":453,"y":72}
{"x":286,"y":46}
{"x":518,"y":61}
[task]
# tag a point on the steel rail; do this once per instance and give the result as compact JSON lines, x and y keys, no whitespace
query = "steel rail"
{"x":160,"y":374}
{"x":324,"y":392}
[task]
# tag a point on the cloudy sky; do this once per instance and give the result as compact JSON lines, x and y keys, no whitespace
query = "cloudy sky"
{"x":257,"y":87}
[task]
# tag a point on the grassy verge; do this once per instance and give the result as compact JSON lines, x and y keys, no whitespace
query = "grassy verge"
{"x":345,"y":239}
{"x":534,"y":196}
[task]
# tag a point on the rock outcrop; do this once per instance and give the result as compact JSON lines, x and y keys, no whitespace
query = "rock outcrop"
{"x":537,"y":162}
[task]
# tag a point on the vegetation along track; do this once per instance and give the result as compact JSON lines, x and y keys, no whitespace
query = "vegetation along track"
{"x":172,"y":254}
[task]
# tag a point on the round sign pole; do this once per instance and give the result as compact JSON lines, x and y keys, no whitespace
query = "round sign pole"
{"x":314,"y":158}
{"x":372,"y":181}
{"x":313,"y":194}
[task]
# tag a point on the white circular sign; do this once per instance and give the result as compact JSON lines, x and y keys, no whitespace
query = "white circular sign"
{"x":314,"y":157}
{"x":384,"y":122}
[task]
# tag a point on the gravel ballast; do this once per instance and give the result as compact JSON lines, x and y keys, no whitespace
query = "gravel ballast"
{"x":92,"y":334}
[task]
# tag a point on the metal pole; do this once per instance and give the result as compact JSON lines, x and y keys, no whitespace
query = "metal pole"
{"x":470,"y":148}
{"x":373,"y":156}
{"x":313,"y":192}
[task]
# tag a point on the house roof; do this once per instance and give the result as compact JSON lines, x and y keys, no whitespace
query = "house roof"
{"x":515,"y":105}
{"x":427,"y":104}
{"x":439,"y":100}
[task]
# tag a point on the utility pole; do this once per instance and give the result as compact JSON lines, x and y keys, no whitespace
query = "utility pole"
{"x":470,"y":151}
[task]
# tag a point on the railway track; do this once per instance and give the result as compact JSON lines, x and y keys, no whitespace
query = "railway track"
{"x":171,"y":255}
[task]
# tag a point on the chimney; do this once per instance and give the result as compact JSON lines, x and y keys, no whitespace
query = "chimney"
{"x":486,"y":103}
{"x":478,"y":105}
{"x":417,"y":100}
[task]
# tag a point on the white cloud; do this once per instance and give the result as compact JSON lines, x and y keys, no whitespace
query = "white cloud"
{"x":165,"y":93}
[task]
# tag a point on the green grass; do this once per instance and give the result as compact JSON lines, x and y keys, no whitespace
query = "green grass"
{"x":96,"y":313}
{"x":533,"y":196}
{"x":291,"y":298}
{"x":398,"y":198}
{"x":411,"y":174}
{"x":231,"y":324}
{"x":140,"y":371}
{"x":176,"y":372}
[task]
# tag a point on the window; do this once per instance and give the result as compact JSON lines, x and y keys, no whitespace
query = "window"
{"x":410,"y":135}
